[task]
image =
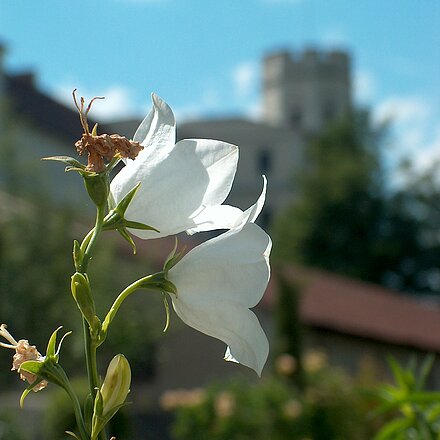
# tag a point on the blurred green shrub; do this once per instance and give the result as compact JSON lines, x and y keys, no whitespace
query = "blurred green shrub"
{"x":58,"y":416}
{"x":10,"y":426}
{"x":330,"y":407}
{"x":413,"y":412}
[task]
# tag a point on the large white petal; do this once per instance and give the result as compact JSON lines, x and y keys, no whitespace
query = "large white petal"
{"x":218,"y":281}
{"x":235,"y":325}
{"x":228,"y":217}
{"x":173,"y":188}
{"x":157,"y":132}
{"x":237,"y":261}
{"x":220,"y":160}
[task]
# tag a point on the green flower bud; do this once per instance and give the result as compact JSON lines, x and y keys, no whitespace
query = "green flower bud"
{"x":83,"y":296}
{"x":116,"y":384}
{"x":112,"y":394}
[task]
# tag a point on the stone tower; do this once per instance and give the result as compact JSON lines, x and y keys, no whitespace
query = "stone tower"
{"x":306,"y":91}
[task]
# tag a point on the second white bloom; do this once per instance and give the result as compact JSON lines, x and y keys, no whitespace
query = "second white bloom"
{"x":218,"y":282}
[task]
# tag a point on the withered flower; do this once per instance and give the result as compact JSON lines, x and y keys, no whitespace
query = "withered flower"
{"x":23,"y":352}
{"x":103,"y":146}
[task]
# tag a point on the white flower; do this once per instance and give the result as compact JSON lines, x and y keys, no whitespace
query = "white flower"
{"x":183,"y":185}
{"x":218,"y":282}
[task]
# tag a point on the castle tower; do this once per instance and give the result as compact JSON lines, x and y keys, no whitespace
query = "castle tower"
{"x":306,"y":91}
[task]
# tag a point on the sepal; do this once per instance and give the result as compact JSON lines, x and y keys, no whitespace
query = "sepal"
{"x":116,"y":220}
{"x":69,"y":161}
{"x":28,"y":390}
{"x":158,"y":281}
{"x":173,"y":258}
{"x":52,"y":353}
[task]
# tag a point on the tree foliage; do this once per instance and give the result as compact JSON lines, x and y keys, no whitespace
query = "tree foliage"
{"x":346,"y":219}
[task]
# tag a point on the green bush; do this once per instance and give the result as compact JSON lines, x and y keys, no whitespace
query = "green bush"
{"x":330,"y":407}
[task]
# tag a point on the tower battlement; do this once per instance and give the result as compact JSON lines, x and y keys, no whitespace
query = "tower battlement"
{"x":306,"y":89}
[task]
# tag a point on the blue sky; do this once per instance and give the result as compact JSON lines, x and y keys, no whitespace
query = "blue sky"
{"x":203,"y":56}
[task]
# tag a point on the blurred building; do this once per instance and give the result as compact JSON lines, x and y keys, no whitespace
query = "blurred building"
{"x":34,"y":125}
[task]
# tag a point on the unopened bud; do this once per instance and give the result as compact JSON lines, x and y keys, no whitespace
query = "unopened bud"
{"x":116,"y":384}
{"x":112,"y":394}
{"x":83,"y":296}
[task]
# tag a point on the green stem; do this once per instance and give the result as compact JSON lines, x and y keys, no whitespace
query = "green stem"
{"x":78,"y":413}
{"x":90,"y":347}
{"x":91,"y":242}
{"x":120,"y":299}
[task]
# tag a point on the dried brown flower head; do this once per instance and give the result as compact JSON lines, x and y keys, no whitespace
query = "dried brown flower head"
{"x":103,"y":146}
{"x":23,"y":352}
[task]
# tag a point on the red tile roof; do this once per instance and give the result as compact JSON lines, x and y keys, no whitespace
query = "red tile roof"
{"x":363,"y":309}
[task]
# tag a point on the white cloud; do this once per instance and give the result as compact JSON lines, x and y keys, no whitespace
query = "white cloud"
{"x":245,"y":77}
{"x":365,"y":86}
{"x":430,"y":153}
{"x":402,"y":110}
{"x":209,"y":101}
{"x":414,"y":129}
{"x":334,"y":37}
{"x":118,"y":103}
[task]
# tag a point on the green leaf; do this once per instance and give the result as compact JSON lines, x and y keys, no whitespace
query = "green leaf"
{"x":391,"y":429}
{"x":72,"y":435}
{"x":67,"y":160}
{"x":425,"y":369}
{"x":400,"y":375}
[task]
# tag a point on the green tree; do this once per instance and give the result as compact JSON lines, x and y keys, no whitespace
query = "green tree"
{"x":345,"y":219}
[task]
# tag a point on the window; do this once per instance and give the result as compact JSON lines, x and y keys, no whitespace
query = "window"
{"x":264,"y":161}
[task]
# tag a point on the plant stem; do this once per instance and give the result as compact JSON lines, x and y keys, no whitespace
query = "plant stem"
{"x":77,"y":409}
{"x":89,"y":346}
{"x":120,"y":299}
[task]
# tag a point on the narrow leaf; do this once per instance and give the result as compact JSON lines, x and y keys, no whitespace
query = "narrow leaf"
{"x":67,"y":160}
{"x":425,"y":369}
